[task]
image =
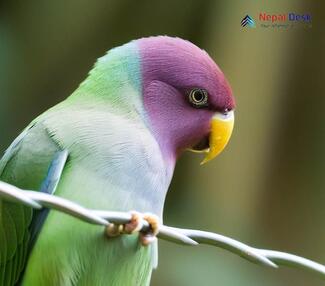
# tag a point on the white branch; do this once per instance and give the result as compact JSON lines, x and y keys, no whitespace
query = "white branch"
{"x":270,"y":258}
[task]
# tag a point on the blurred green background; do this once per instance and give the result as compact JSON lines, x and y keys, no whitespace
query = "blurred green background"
{"x":267,"y":188}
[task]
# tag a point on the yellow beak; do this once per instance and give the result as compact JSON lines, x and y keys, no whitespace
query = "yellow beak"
{"x":221,"y":129}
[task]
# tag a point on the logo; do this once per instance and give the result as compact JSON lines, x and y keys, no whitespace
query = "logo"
{"x":278,"y":20}
{"x":248,"y":21}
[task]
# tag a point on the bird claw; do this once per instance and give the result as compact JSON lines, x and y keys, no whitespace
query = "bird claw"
{"x":150,"y":236}
{"x":135,"y":225}
{"x":114,"y":230}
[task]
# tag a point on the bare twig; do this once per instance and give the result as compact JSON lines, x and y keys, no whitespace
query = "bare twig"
{"x":269,"y":258}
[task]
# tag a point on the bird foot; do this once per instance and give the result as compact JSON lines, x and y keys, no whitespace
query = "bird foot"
{"x":113,"y":230}
{"x":135,"y":225}
{"x":150,"y":236}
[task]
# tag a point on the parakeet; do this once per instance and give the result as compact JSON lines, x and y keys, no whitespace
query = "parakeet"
{"x":141,"y":106}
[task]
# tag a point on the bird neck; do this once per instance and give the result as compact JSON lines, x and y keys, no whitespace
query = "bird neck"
{"x":115,"y":80}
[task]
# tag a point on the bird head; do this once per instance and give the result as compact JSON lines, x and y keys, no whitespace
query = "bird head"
{"x":188,"y":101}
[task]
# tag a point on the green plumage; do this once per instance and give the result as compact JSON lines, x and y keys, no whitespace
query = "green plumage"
{"x":114,"y":164}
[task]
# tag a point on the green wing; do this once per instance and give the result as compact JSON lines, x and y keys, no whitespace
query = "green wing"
{"x":24,"y":165}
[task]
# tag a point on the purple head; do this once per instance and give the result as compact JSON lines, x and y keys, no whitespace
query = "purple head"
{"x":183,"y":89}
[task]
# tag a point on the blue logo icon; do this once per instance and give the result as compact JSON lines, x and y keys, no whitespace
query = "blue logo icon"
{"x":248,"y":21}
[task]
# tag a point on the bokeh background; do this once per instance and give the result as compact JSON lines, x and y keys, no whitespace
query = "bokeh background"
{"x":268,"y":188}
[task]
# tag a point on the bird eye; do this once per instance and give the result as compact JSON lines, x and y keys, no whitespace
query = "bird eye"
{"x":198,"y":97}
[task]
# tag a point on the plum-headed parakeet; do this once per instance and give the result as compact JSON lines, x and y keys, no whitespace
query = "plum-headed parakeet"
{"x":124,"y":127}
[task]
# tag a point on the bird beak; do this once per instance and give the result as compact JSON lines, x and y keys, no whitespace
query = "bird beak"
{"x":221,"y":129}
